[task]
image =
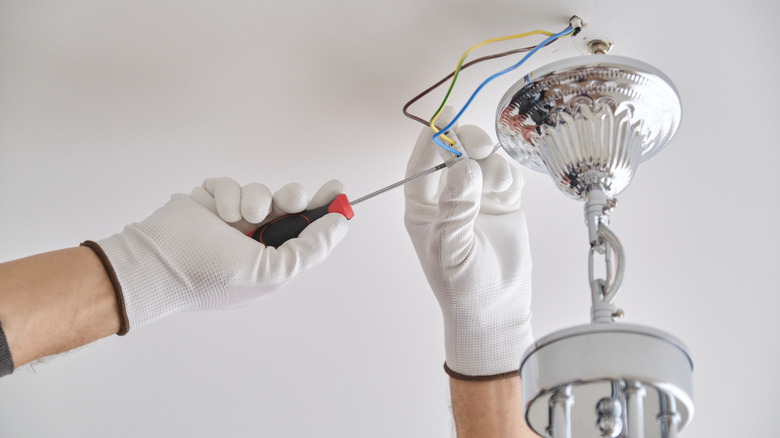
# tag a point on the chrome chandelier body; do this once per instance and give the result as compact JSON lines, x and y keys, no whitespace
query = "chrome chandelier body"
{"x":589,"y":122}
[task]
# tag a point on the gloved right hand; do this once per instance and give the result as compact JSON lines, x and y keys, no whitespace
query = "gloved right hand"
{"x":472,"y":242}
{"x":193,"y":253}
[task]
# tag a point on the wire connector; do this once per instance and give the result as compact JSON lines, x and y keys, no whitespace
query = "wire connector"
{"x":577,"y":24}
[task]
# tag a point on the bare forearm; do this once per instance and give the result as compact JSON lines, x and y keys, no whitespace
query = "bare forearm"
{"x":54,"y":302}
{"x":489,"y":409}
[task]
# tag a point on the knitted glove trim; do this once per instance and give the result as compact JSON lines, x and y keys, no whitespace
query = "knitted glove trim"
{"x":458,"y":376}
{"x":124,"y":326}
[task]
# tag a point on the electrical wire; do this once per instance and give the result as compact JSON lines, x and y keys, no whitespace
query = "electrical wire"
{"x":460,"y":63}
{"x":413,"y":100}
{"x":424,"y":93}
{"x":439,"y":133}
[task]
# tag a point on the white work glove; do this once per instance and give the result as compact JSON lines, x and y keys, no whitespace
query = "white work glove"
{"x":472,"y":241}
{"x":193,"y":253}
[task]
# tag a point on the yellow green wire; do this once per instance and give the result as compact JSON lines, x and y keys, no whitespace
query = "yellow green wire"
{"x":460,"y":63}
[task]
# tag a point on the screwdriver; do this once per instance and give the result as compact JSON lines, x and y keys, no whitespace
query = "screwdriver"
{"x":288,"y":227}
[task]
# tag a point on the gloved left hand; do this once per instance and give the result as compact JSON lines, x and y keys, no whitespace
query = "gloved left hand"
{"x":472,"y":241}
{"x":193,"y":253}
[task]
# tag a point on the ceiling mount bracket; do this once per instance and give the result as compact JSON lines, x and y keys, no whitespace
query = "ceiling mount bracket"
{"x":599,"y":47}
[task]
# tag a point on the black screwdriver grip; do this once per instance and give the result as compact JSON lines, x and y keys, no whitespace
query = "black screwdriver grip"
{"x":284,"y":228}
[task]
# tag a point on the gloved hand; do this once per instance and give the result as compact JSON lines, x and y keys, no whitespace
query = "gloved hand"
{"x":193,"y":253}
{"x":472,"y":241}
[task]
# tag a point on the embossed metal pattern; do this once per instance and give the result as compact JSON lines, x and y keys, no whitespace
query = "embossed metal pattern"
{"x":589,"y":120}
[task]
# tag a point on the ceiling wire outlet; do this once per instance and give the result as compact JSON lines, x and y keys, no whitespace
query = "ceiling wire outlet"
{"x":577,"y":24}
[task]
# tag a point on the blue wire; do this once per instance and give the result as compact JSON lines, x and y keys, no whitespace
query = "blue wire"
{"x":502,"y":72}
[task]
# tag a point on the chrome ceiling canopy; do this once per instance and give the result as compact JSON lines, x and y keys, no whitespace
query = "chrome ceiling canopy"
{"x":589,"y":120}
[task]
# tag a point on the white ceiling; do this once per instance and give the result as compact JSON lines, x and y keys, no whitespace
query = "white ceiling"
{"x":108,"y":107}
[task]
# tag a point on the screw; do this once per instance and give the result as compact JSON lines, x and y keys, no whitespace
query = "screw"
{"x":610,"y":205}
{"x":618,"y":314}
{"x":599,"y":47}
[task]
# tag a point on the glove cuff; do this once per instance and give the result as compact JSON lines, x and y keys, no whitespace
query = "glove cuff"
{"x":458,"y":376}
{"x":124,"y":325}
{"x":485,"y":339}
{"x":140,"y":277}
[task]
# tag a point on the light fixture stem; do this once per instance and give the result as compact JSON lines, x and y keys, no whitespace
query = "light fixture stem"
{"x":595,"y":212}
{"x":603,"y":291}
{"x":635,"y":414}
{"x":668,"y":417}
{"x":559,"y":422}
{"x":613,"y":283}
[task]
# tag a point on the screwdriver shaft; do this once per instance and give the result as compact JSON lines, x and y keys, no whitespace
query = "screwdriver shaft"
{"x":400,"y":183}
{"x":282,"y":229}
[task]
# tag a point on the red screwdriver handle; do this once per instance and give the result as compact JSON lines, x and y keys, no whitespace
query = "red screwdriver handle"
{"x":288,"y":227}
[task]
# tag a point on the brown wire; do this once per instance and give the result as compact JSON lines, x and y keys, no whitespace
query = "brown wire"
{"x":463,"y":67}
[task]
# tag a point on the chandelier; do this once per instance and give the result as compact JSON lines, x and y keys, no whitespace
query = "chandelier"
{"x":589,"y":122}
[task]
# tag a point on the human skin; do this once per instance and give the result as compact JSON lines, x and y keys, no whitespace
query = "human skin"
{"x":489,"y":409}
{"x":57,"y":301}
{"x":54,"y":302}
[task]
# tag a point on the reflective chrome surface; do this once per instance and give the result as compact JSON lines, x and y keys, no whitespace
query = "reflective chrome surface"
{"x":668,"y":416}
{"x":560,"y":413}
{"x":610,"y":420}
{"x":616,"y":360}
{"x":635,"y":413}
{"x":589,"y":120}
